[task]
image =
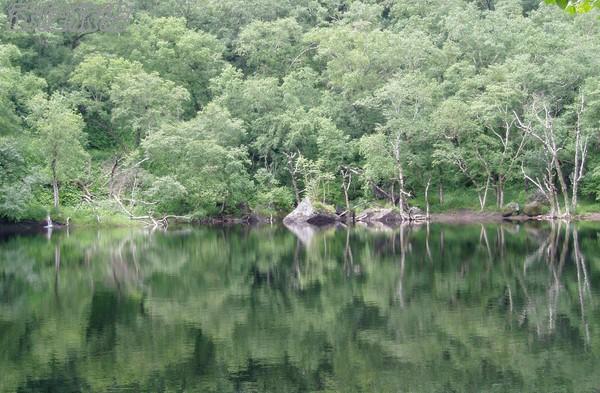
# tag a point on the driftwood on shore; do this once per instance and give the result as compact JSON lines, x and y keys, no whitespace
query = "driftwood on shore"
{"x":388,"y":215}
{"x":149,"y":220}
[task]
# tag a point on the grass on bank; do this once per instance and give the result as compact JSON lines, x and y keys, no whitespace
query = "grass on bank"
{"x":468,"y":200}
{"x":79,"y":216}
{"x":106,"y":213}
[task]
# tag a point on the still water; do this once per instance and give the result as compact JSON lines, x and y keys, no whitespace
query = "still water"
{"x":469,"y":308}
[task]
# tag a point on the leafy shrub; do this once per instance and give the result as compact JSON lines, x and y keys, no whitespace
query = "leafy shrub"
{"x":167,"y":194}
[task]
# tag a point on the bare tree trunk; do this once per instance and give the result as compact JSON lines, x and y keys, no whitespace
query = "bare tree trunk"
{"x":427,"y":197}
{"x":54,"y":183}
{"x":401,"y":204}
{"x":346,"y":199}
{"x":546,"y":135}
{"x":55,"y":193}
{"x":346,"y":181}
{"x":402,"y":192}
{"x":441,"y":193}
{"x":563,"y":186}
{"x":293,"y":170}
{"x":500,"y":192}
{"x":580,"y":155}
{"x":575,"y":179}
{"x":482,"y":198}
{"x":574,"y":197}
{"x":555,"y":203}
{"x":553,"y":195}
{"x":48,"y":221}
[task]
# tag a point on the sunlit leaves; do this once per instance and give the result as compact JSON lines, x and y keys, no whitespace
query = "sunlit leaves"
{"x":575,"y":6}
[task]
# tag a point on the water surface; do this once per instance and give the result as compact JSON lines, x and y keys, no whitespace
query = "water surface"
{"x":469,"y":308}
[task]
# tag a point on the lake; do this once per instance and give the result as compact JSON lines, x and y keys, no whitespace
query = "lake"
{"x":438,"y":308}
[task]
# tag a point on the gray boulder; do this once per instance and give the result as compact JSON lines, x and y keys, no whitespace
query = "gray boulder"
{"x":511,"y":209}
{"x":415,"y":213}
{"x":305,"y":213}
{"x":533,"y":209}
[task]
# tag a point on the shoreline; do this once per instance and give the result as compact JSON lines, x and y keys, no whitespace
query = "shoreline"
{"x":450,"y":217}
{"x":474,"y":217}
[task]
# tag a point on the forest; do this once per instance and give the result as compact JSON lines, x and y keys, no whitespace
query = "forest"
{"x":211,"y":108}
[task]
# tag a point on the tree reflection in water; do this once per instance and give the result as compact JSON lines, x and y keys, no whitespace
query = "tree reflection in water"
{"x":506,"y":307}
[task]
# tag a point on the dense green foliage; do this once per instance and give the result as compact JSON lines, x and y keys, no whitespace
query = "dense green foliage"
{"x":574,"y":6}
{"x":498,"y":308}
{"x":211,"y":107}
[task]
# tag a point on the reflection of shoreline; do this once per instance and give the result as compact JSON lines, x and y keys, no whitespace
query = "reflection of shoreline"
{"x":205,"y":303}
{"x":537,"y":263}
{"x":306,"y":232}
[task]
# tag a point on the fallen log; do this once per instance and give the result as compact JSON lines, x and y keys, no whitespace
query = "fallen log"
{"x":149,"y":220}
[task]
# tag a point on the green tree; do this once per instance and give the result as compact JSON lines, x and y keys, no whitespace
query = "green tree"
{"x":16,"y":89}
{"x":576,"y":6}
{"x":406,"y":103}
{"x":201,"y":154}
{"x":142,"y":102}
{"x":271,"y":197}
{"x":189,"y":58}
{"x":15,"y":180}
{"x":61,"y":139}
{"x":271,"y":48}
{"x":94,"y":78}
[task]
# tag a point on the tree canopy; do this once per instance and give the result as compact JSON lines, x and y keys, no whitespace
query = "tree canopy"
{"x":206,"y":107}
{"x":576,"y":6}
